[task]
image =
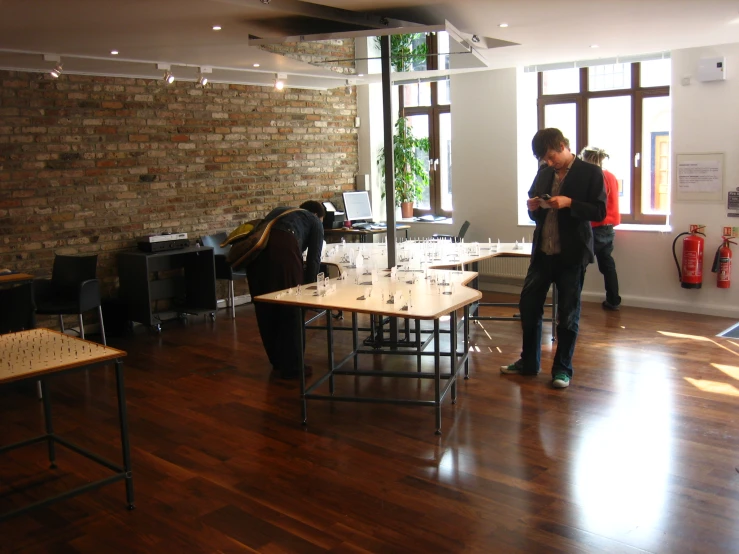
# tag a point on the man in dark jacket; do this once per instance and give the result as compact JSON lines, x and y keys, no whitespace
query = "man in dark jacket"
{"x":280,"y":266}
{"x":564,"y":198}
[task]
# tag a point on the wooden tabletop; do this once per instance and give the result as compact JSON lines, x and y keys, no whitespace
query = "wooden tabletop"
{"x":15,"y":278}
{"x":446,"y":255}
{"x":428,"y":300}
{"x":41,"y":351}
{"x":350,"y":231}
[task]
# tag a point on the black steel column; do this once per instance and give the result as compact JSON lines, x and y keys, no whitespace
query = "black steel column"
{"x":387,"y":112}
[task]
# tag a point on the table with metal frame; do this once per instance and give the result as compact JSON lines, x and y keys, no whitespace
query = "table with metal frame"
{"x":430,"y":302}
{"x":362,"y":234}
{"x":39,"y":354}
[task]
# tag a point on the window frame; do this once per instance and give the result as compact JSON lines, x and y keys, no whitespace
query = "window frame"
{"x":433,"y":112}
{"x":581,"y":100}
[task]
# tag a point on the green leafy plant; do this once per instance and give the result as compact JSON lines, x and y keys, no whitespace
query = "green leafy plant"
{"x":404,"y":54}
{"x":410,"y":175}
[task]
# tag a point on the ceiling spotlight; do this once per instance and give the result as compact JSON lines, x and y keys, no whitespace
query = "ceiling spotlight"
{"x":57,"y":71}
{"x":114,"y":52}
{"x":279,"y":84}
{"x":168,"y":77}
{"x":216,"y":27}
{"x":360,"y":75}
{"x":256,"y":65}
{"x":203,"y":80}
{"x":475,"y":39}
{"x":593,"y":46}
{"x":503,"y":25}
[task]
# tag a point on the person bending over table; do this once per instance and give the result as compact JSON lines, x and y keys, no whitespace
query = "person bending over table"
{"x":280,"y":266}
{"x":564,"y":198}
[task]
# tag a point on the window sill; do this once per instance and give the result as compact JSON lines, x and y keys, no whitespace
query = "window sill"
{"x":642,"y":228}
{"x":447,"y":221}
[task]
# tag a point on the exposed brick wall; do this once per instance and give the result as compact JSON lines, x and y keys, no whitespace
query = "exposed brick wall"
{"x":337,"y":54}
{"x":87,"y":164}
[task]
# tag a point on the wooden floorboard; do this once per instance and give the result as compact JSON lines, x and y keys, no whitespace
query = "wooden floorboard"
{"x":638,"y":455}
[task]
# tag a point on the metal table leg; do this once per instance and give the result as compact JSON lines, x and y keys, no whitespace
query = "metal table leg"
{"x":301,"y":357}
{"x":467,"y":341}
{"x":123,"y":418}
{"x":330,"y":342}
{"x":47,"y":420}
{"x":437,"y":377}
{"x":453,"y":351}
{"x":355,"y":340}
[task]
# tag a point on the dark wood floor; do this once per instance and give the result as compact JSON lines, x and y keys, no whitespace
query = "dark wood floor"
{"x":639,"y":454}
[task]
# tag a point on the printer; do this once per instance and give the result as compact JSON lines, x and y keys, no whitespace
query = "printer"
{"x":334,"y":219}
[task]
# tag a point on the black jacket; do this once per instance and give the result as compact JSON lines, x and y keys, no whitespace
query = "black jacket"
{"x":308,"y":231}
{"x":584,"y":185}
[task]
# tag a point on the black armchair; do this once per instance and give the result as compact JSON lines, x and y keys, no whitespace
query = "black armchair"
{"x":18,"y":311}
{"x":460,"y":235}
{"x":223,"y":268}
{"x":72,"y":289}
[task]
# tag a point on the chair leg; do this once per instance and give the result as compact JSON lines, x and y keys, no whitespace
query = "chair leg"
{"x":102,"y":326}
{"x":61,"y":322}
{"x":38,"y":390}
{"x":233,"y":299}
{"x":82,"y":327}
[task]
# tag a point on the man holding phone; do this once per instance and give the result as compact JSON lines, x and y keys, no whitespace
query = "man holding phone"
{"x":565,"y":197}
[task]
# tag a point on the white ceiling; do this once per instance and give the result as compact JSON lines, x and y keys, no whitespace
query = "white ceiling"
{"x":179,"y":32}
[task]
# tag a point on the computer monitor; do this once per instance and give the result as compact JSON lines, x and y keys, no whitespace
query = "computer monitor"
{"x":357,"y":205}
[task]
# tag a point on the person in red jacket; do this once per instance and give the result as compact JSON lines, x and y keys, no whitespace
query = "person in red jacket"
{"x":603,"y":233}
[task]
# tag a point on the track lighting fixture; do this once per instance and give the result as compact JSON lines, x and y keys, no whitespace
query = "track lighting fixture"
{"x":280,"y":81}
{"x":168,"y":77}
{"x":203,"y":80}
{"x":57,"y":71}
{"x":475,"y":39}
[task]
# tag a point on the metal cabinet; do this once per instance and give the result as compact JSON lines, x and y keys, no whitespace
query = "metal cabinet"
{"x":186,"y":277}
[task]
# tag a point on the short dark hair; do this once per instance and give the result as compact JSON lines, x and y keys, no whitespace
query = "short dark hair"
{"x":548,"y":139}
{"x":314,"y":207}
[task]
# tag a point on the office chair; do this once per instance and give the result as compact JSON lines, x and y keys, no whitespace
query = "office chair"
{"x":460,"y":235}
{"x":223,"y":268}
{"x":18,"y":311}
{"x":72,"y":289}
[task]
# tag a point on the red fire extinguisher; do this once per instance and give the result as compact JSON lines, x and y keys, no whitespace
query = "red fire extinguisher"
{"x":722,"y":264}
{"x":690,"y":271}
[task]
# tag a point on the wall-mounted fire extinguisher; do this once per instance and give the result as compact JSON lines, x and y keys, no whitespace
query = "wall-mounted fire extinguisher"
{"x":722,"y":264}
{"x":690,"y":271}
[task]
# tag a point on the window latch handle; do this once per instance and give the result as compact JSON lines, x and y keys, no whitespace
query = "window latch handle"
{"x":637,"y":159}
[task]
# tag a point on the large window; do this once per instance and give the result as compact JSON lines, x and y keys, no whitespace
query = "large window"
{"x":625,"y":109}
{"x":426,"y":104}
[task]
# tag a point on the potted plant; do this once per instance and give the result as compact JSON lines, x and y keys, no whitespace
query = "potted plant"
{"x":410,"y":175}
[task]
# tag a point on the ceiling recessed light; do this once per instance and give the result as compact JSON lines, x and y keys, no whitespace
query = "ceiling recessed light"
{"x":593,"y":46}
{"x":256,"y":65}
{"x":114,"y":52}
{"x":503,"y":25}
{"x":216,"y":27}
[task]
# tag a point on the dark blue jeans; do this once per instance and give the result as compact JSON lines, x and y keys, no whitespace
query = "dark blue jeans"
{"x":603,"y":244}
{"x":543,"y":271}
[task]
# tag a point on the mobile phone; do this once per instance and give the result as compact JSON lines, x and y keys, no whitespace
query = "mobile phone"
{"x":546,"y":197}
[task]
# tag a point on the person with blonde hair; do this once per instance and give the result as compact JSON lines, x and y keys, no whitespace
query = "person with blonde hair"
{"x":603,"y":233}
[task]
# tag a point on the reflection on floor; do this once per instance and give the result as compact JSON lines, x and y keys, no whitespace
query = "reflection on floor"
{"x":638,"y":454}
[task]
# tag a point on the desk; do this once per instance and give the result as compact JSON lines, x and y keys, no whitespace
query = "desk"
{"x":42,"y":353}
{"x":14,"y":278}
{"x":429,"y":301}
{"x":441,"y":254}
{"x":190,"y":281}
{"x":362,"y":233}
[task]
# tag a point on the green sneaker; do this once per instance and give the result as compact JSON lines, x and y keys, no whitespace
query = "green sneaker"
{"x":561,"y":381}
{"x":512,"y":369}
